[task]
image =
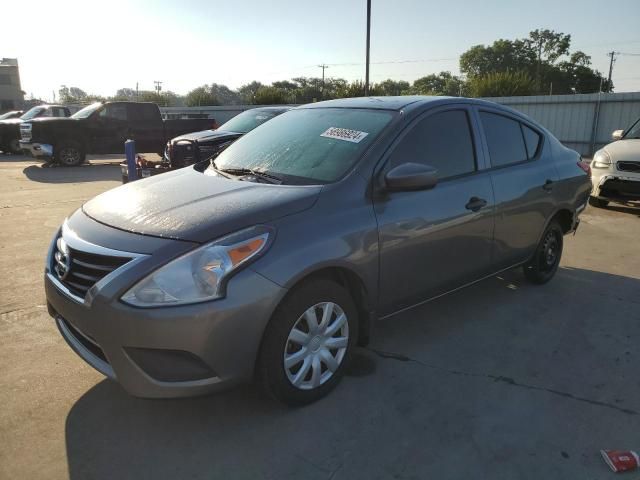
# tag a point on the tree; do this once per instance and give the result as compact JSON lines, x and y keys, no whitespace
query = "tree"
{"x":443,"y":83}
{"x":248,"y":92}
{"x":224,"y":94}
{"x":71,"y":95}
{"x":269,"y":96}
{"x":501,"y":84}
{"x":545,"y":56}
{"x":393,"y":87}
{"x":201,"y":97}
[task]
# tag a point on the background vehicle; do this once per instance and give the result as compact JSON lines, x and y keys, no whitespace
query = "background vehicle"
{"x":276,"y":258}
{"x":194,"y":147}
{"x":615,"y":168}
{"x":12,"y":114}
{"x":10,"y":128}
{"x":103,"y":128}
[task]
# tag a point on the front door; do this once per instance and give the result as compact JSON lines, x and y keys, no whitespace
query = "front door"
{"x":109,"y":128}
{"x":432,"y":241}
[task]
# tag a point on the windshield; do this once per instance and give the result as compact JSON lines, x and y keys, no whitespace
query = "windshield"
{"x":4,"y":116}
{"x":34,"y":112}
{"x":86,"y":111}
{"x":634,"y":131}
{"x":247,"y":121}
{"x":307,"y":146}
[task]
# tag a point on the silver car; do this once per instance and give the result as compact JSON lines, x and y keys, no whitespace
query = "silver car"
{"x":274,"y":259}
{"x":615,"y":168}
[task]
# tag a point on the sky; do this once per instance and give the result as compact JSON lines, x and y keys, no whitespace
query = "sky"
{"x":103,"y":46}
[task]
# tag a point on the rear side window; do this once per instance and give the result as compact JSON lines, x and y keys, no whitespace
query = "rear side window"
{"x":442,"y":141}
{"x":531,"y":140}
{"x":143,"y":112}
{"x":504,"y":139}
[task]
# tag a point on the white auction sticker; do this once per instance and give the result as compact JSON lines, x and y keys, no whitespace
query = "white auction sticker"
{"x":353,"y":136}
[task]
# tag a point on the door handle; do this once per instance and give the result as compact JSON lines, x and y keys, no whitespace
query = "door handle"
{"x":548,"y":185}
{"x":475,"y":204}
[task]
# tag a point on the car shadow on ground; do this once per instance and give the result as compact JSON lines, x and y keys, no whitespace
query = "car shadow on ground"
{"x":632,"y":208}
{"x":242,"y":434}
{"x":86,"y":173}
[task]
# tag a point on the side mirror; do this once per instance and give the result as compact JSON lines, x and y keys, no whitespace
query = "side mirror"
{"x":617,"y":135}
{"x":410,"y":176}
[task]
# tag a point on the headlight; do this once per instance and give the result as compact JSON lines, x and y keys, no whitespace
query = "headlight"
{"x":201,"y":274}
{"x":601,"y":160}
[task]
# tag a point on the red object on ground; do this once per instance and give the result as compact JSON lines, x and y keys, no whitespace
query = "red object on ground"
{"x":621,"y":460}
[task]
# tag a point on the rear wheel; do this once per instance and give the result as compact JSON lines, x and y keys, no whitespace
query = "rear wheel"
{"x":544,"y":264}
{"x":598,"y":202}
{"x":70,"y":154}
{"x":308,"y":343}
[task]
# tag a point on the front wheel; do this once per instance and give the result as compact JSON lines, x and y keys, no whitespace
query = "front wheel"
{"x":308,"y":342}
{"x":544,"y":264}
{"x":70,"y":154}
{"x":598,"y":202}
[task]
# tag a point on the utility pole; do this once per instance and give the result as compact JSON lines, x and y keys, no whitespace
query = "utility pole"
{"x":323,"y":66}
{"x":137,"y":96}
{"x":158,"y":86}
{"x":611,"y":54}
{"x":366,"y":81}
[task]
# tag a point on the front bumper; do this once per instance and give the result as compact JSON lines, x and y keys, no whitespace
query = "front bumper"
{"x":172,"y":351}
{"x":37,"y":149}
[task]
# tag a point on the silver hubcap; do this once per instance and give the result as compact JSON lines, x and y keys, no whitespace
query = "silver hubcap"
{"x":69,"y":156}
{"x":316,"y":345}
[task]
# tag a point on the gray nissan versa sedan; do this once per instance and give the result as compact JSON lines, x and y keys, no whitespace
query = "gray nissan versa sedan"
{"x":273,"y":259}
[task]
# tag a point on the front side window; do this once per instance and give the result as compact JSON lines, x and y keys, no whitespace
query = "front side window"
{"x":504,"y":139}
{"x":442,"y":141}
{"x":307,"y":146}
{"x":87,"y":111}
{"x":115,"y":111}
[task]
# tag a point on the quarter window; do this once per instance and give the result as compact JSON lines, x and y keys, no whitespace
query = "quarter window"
{"x":531,"y":140}
{"x":504,"y":139}
{"x":442,"y":141}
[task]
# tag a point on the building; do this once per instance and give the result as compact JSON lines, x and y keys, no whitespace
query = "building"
{"x":11,"y":94}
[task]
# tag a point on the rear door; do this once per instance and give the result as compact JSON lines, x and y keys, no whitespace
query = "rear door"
{"x":432,"y":241}
{"x":523,"y":176}
{"x":146,"y":127}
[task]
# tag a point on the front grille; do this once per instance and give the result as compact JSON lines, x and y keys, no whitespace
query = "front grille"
{"x":78,"y":270}
{"x":629,"y":166}
{"x":25,"y":131}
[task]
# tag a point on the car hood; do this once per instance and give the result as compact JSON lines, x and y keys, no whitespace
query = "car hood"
{"x":11,"y":121}
{"x":624,"y":150}
{"x":52,"y":120}
{"x":208,"y":135}
{"x":188,"y":205}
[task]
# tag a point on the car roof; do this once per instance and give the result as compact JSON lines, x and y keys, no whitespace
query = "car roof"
{"x":271,"y":109}
{"x":381,"y":103}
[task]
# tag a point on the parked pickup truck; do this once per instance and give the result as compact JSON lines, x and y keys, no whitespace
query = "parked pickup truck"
{"x":10,"y":127}
{"x":191,"y":148}
{"x":103,"y":128}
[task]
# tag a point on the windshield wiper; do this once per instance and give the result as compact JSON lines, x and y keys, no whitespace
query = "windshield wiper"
{"x":268,"y":177}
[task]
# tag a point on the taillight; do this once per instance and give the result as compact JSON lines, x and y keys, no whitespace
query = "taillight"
{"x":586,"y":166}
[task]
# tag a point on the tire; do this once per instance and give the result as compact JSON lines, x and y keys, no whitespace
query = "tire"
{"x":544,"y":264}
{"x":598,"y":202}
{"x":14,"y":146}
{"x":69,"y":154}
{"x":308,"y":377}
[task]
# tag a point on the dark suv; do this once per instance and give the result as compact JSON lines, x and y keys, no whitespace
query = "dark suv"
{"x":274,"y":259}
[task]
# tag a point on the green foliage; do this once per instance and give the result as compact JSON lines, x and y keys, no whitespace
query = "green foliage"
{"x":501,"y":84}
{"x":391,"y":87}
{"x":247,"y":92}
{"x":201,"y":97}
{"x":544,"y":56}
{"x":443,"y":83}
{"x":164,"y":99}
{"x":270,"y":96}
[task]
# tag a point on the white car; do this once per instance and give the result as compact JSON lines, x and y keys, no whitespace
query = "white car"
{"x":615,"y":169}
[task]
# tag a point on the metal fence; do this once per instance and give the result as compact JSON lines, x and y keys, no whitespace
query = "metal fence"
{"x":582,"y":122}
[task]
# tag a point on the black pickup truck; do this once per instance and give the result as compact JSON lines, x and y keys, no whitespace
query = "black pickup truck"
{"x":103,"y":128}
{"x":10,"y":127}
